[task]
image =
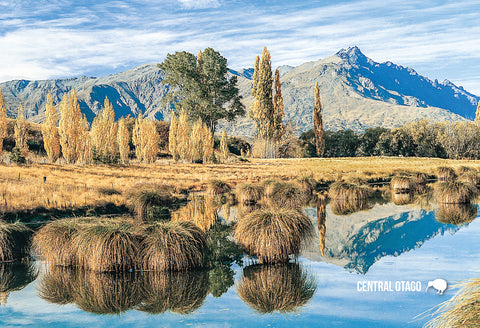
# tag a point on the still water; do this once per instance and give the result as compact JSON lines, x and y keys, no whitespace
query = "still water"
{"x":364,"y":269}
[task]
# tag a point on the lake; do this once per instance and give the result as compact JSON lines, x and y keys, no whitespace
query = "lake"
{"x":364,"y":269}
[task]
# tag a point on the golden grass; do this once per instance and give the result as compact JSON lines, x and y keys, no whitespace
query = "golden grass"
{"x":269,"y":288}
{"x":285,"y":194}
{"x":462,"y":310}
{"x":273,"y":234}
{"x":69,"y":186}
{"x":454,"y":192}
{"x":249,"y":193}
{"x":456,"y":213}
{"x":173,"y":246}
{"x":14,"y":241}
{"x":342,"y":190}
{"x":217,"y":187}
{"x":403,"y":184}
{"x":446,"y":173}
{"x":472,"y":177}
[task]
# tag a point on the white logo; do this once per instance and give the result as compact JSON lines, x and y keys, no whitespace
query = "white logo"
{"x":439,"y":284}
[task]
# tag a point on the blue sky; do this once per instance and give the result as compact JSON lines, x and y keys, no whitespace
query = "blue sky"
{"x":63,"y":38}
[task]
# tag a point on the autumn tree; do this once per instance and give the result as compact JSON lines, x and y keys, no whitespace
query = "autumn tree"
{"x":104,"y":134}
{"x":477,"y":113}
{"x":224,"y":146}
{"x":20,"y":132}
{"x":318,"y":122}
{"x":145,"y":138}
{"x":202,"y":87}
{"x":278,"y":110}
{"x":183,"y":136}
{"x":208,"y":144}
{"x":85,"y":150}
{"x":3,"y":120}
{"x":196,"y":141}
{"x":123,"y":140}
{"x":172,"y":136}
{"x":51,"y":138}
{"x":71,"y":128}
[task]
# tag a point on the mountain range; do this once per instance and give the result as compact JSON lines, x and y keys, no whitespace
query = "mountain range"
{"x":356,"y":93}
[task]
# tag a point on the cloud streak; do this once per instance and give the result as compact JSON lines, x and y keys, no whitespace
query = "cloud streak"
{"x":47,"y":40}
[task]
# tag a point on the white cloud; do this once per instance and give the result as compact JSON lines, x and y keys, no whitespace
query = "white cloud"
{"x":199,"y":4}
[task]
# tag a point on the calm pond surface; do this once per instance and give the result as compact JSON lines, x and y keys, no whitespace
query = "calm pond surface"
{"x":387,"y":243}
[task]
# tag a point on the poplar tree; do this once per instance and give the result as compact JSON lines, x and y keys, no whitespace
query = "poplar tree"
{"x":137,"y":137}
{"x":71,"y":127}
{"x":183,"y":136}
{"x":208,"y":144}
{"x":123,"y":140}
{"x":145,"y":138}
{"x":20,"y":132}
{"x":278,"y":112}
{"x":85,"y":153}
{"x":224,"y":146}
{"x":477,"y":113}
{"x":104,"y":134}
{"x":318,"y":122}
{"x":172,"y":136}
{"x":196,"y":141}
{"x":3,"y":120}
{"x":51,"y":138}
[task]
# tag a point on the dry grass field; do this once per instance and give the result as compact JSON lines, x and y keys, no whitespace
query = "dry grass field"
{"x":68,"y":186}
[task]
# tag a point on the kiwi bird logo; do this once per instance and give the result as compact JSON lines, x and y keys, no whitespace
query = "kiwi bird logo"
{"x":439,"y":284}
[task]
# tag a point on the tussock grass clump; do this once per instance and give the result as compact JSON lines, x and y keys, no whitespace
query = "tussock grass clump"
{"x":462,"y":310}
{"x":173,"y":246}
{"x":472,"y":177}
{"x":143,"y":196}
{"x":348,"y":206}
{"x":456,"y":213}
{"x":14,"y":241}
{"x":110,"y":245}
{"x":446,"y":173}
{"x":307,"y":184}
{"x":454,"y":192}
{"x":348,"y":191}
{"x":285,"y":194}
{"x":178,"y":292}
{"x":465,"y":169}
{"x":420,"y":178}
{"x":248,"y":193}
{"x":269,"y":288}
{"x":273,"y":234}
{"x":14,"y":277}
{"x":403,"y":184}
{"x":402,"y":198}
{"x":269,"y":185}
{"x":217,"y":187}
{"x":54,"y":241}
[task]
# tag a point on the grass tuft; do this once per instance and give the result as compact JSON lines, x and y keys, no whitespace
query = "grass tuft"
{"x":456,"y":213}
{"x":248,"y":193}
{"x":14,"y":241}
{"x":454,"y":192}
{"x":446,"y":173}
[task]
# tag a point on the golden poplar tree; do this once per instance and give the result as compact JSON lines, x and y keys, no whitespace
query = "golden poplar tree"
{"x":196,"y":141}
{"x":3,"y":120}
{"x":278,"y":109}
{"x":208,"y":143}
{"x":477,"y":113}
{"x":183,"y":136}
{"x":104,"y":133}
{"x":150,"y":140}
{"x":71,"y":127}
{"x":318,"y":122}
{"x":51,"y":138}
{"x":20,"y":131}
{"x":85,"y":153}
{"x":137,"y":137}
{"x":123,"y":140}
{"x":172,"y":136}
{"x":224,"y":146}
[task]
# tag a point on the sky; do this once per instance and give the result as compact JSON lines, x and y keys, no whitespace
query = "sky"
{"x":46,"y":39}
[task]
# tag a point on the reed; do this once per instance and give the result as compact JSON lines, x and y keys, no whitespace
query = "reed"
{"x":462,"y":310}
{"x":109,"y":245}
{"x":173,"y":246}
{"x":348,"y":191}
{"x":348,"y":206}
{"x":178,"y":292}
{"x":248,"y":193}
{"x":403,"y":184}
{"x":14,"y":241}
{"x":445,"y":173}
{"x":14,"y":277}
{"x":456,"y":214}
{"x":285,"y":194}
{"x":454,"y":192}
{"x":269,"y":288}
{"x":217,"y":187}
{"x":273,"y":234}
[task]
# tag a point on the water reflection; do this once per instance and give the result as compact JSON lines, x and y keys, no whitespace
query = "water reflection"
{"x":116,"y":293}
{"x":15,"y":277}
{"x":282,"y":287}
{"x":321,"y":220}
{"x":348,"y":206}
{"x":402,"y":198}
{"x":456,"y":213}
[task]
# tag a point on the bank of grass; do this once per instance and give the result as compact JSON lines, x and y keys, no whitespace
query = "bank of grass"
{"x":22,"y":188}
